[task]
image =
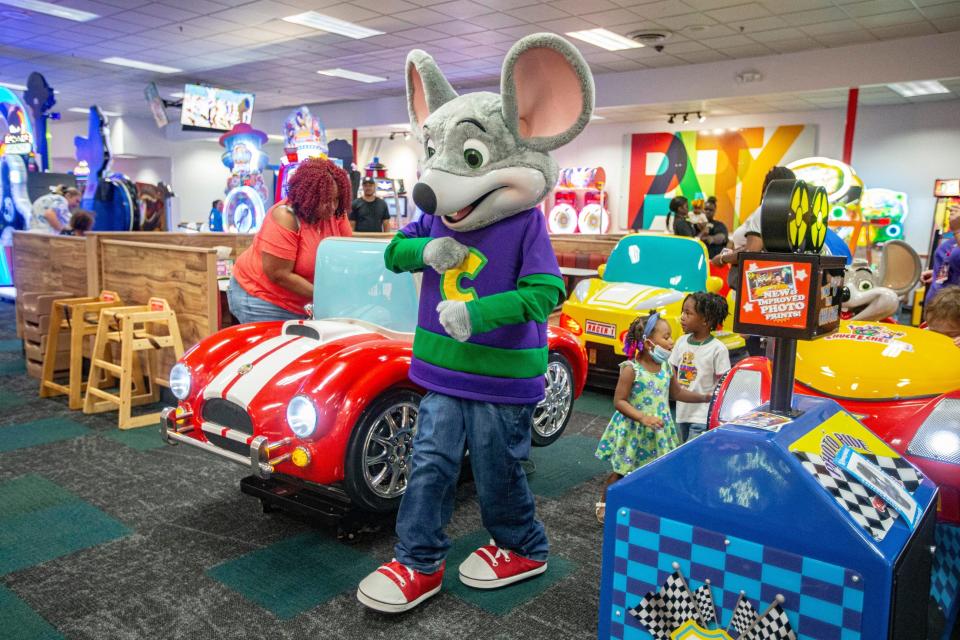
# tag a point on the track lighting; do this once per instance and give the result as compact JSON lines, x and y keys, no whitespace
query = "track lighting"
{"x":392,"y":135}
{"x":670,"y":119}
{"x":685,"y":118}
{"x":701,"y":117}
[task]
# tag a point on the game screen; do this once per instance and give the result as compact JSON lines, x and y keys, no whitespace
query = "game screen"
{"x":212,"y":109}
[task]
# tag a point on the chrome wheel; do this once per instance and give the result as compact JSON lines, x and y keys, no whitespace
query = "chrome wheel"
{"x":551,"y":415}
{"x":387,"y":449}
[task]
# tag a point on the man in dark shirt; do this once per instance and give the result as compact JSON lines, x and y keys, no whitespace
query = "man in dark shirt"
{"x":368,"y":212}
{"x":714,"y":233}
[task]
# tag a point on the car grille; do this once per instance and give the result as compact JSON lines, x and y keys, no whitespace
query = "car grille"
{"x":231,"y":415}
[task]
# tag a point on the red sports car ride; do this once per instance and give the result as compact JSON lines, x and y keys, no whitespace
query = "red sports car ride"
{"x":327,"y":402}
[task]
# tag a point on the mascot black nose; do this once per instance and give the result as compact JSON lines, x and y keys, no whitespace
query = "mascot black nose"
{"x":424,"y":198}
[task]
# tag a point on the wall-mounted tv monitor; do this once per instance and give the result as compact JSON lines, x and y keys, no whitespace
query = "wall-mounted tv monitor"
{"x":212,"y":109}
{"x":152,"y":95}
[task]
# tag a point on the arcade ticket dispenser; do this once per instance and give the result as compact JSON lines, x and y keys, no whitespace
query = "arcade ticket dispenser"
{"x":791,"y":521}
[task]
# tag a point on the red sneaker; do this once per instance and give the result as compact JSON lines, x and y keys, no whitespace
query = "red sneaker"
{"x":490,"y":567}
{"x":395,"y":587}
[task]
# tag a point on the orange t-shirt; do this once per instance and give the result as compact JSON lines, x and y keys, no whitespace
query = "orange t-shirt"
{"x":299,"y":246}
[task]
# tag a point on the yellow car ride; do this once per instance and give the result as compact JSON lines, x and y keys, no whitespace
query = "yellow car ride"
{"x":646,"y":272}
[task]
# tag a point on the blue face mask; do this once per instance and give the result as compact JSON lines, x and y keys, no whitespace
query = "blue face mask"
{"x":659,"y":354}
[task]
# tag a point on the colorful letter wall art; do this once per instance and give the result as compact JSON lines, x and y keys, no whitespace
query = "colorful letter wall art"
{"x":730,"y":165}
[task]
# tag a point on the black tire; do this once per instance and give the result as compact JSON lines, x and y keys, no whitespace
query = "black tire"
{"x":376,"y":484}
{"x":552,"y":415}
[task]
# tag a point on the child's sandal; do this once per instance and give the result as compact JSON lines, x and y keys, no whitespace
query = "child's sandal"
{"x":601,"y":509}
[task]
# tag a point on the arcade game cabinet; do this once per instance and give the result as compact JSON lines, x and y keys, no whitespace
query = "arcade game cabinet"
{"x":111,"y":196}
{"x":16,"y":136}
{"x":304,"y":137}
{"x":245,"y":204}
{"x":791,"y":521}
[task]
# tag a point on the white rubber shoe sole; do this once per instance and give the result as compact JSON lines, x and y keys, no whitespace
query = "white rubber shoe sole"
{"x":496,"y":583}
{"x":387,"y":607}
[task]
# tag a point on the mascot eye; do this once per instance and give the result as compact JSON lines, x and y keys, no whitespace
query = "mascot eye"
{"x":431,"y":150}
{"x":865,"y":285}
{"x":475,"y":153}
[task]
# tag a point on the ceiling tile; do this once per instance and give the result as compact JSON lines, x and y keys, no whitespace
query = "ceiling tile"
{"x":948,"y":10}
{"x":676,"y":23}
{"x":774,"y":35}
{"x":890,"y":19}
{"x":387,"y":7}
{"x":460,"y":9}
{"x":875,"y":7}
{"x":739,"y":12}
{"x":456,"y":27}
{"x":564,"y":25}
{"x":663,"y":9}
{"x":815,"y":16}
{"x":423,"y":17}
{"x":904,"y":30}
{"x":838,"y":26}
{"x":579,"y":7}
{"x":537,"y":13}
{"x":747,"y":51}
{"x":353,"y":13}
{"x":504,"y":5}
{"x":495,"y":21}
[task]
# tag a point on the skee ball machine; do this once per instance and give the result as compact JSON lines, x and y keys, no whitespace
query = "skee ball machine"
{"x":791,"y":521}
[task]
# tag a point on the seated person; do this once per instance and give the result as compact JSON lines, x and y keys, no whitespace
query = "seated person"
{"x":946,"y":259}
{"x":80,"y":222}
{"x":943,"y":313}
{"x":714,"y":233}
{"x":677,"y":221}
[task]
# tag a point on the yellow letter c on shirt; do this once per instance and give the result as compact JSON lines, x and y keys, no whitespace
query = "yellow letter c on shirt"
{"x":470,"y":268}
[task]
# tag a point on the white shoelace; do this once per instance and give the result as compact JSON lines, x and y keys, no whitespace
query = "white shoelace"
{"x":399,"y":577}
{"x":501,"y":553}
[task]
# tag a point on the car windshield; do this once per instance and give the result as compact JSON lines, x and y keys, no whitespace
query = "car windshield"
{"x":658,"y":260}
{"x":350,"y":281}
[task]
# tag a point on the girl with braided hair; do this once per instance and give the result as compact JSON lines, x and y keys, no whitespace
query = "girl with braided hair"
{"x":642,"y":429}
{"x":698,"y":358}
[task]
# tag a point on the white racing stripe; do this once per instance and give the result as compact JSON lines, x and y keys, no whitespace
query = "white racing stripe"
{"x":248,"y":386}
{"x":216,"y":386}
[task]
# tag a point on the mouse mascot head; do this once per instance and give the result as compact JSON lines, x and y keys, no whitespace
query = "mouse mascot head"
{"x":486,"y":154}
{"x":490,"y":279}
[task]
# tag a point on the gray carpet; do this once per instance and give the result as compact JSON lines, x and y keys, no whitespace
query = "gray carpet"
{"x":107,"y":534}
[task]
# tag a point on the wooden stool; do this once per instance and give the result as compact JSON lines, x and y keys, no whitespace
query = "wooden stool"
{"x":73,"y":315}
{"x":133,"y":329}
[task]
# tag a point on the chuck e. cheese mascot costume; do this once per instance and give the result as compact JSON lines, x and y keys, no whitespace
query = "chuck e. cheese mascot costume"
{"x":490,"y":279}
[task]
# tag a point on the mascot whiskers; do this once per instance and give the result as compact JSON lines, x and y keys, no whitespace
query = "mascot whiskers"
{"x":490,"y":279}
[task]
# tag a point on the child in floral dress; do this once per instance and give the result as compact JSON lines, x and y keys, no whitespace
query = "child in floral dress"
{"x":642,"y":429}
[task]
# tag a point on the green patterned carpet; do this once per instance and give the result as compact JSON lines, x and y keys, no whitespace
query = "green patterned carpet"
{"x":111,"y":534}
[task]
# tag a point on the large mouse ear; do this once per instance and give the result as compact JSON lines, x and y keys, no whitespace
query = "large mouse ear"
{"x":427,"y":88}
{"x":900,"y":267}
{"x":547,"y":91}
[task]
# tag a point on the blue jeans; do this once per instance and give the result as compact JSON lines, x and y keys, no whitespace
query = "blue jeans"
{"x":247,"y":308}
{"x":690,"y":430}
{"x":498,"y":437}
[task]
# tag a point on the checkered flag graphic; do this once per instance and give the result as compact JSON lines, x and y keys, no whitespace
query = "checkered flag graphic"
{"x":744,"y":615}
{"x":773,"y":625}
{"x":898,"y":469}
{"x":855,"y":498}
{"x":704,"y":599}
{"x":678,"y":600}
{"x":652,"y":615}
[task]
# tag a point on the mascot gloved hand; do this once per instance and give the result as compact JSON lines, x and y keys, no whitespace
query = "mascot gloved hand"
{"x":490,"y":279}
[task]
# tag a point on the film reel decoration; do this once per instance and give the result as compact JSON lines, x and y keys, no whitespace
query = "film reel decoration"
{"x":786,"y":216}
{"x":819,"y":217}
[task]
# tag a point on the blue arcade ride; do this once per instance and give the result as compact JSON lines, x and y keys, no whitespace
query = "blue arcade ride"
{"x":17,"y":137}
{"x":111,"y":196}
{"x":793,"y":521}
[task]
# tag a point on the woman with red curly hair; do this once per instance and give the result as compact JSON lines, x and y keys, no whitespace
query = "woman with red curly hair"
{"x":273,"y":278}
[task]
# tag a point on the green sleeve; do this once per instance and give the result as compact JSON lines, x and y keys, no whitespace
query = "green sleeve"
{"x":534,"y":299}
{"x":405,"y":254}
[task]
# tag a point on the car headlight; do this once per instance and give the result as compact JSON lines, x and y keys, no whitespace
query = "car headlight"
{"x":938,"y":438}
{"x":580,"y":291}
{"x":742,"y":395}
{"x":302,"y":416}
{"x":180,"y":381}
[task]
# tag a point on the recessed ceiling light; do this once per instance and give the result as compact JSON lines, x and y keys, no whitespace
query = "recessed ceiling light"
{"x":332,"y":25}
{"x":51,"y":9}
{"x":350,"y":75}
{"x":274,"y":136}
{"x":176,"y":94}
{"x":594,"y":116}
{"x":14,"y":86}
{"x":137,"y":64}
{"x":112,"y":114}
{"x":920,"y":88}
{"x":605,"y":39}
